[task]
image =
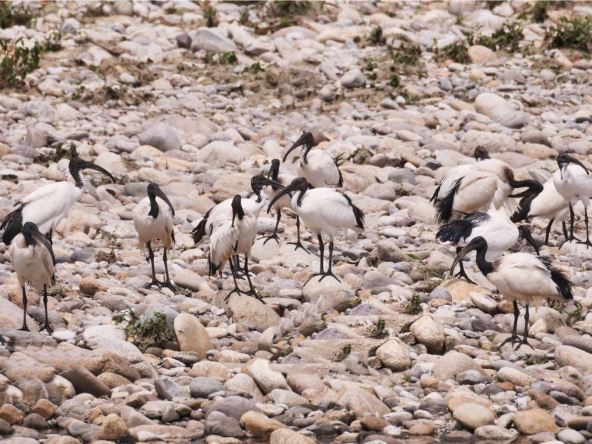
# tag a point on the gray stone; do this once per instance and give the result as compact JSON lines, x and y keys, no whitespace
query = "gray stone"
{"x":160,"y":136}
{"x":211,"y":40}
{"x":202,"y":387}
{"x":353,"y":78}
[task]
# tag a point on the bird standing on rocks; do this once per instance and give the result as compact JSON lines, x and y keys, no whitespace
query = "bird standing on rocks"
{"x":154,"y":222}
{"x":324,"y":211}
{"x":33,"y":260}
{"x":47,"y":205}
{"x":519,"y":277}
{"x":316,"y":166}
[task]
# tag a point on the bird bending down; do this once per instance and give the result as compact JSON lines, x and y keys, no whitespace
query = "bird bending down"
{"x":33,"y":260}
{"x":519,"y":277}
{"x":316,"y":166}
{"x":283,"y":202}
{"x":494,"y":226}
{"x":47,"y":205}
{"x":154,"y":222}
{"x":232,"y":237}
{"x":574,"y":184}
{"x":548,"y":204}
{"x":324,"y":211}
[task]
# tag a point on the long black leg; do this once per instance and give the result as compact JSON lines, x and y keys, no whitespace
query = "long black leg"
{"x":48,"y":236}
{"x":252,"y":290}
{"x":237,"y":266}
{"x":526,"y":316}
{"x":46,"y":326}
{"x":330,"y":269}
{"x":236,"y":288}
{"x":462,"y":273}
{"x":587,"y":242}
{"x":298,"y":243}
{"x":564,"y":228}
{"x":274,"y":235}
{"x":151,"y":258}
{"x":572,"y":220}
{"x":548,"y":231}
{"x":24,"y":327}
{"x":321,"y":253}
{"x":514,"y":338}
{"x":167,"y":282}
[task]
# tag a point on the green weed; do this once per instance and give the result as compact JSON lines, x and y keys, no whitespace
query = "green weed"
{"x":575,"y":33}
{"x":153,"y":331}
{"x":413,"y":307}
{"x":16,"y":61}
{"x":210,"y":14}
{"x":457,"y":52}
{"x":506,"y":38}
{"x":11,"y":14}
{"x":228,"y":58}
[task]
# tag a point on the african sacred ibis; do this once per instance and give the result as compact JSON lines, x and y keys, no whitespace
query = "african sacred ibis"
{"x":548,"y":204}
{"x":316,"y":166}
{"x":519,"y":277}
{"x":574,"y":184}
{"x":231,"y":237}
{"x":494,"y":226}
{"x":154,"y":223}
{"x":284,"y":202}
{"x":33,"y":260}
{"x":47,"y":205}
{"x":325,"y":211}
{"x":475,"y":187}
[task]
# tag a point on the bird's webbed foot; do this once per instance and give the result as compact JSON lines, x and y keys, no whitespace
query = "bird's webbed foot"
{"x":587,"y":243}
{"x":298,"y":245}
{"x":154,"y":283}
{"x":48,"y":328}
{"x":462,"y":274}
{"x":25,"y":327}
{"x":273,"y":236}
{"x":514,"y":339}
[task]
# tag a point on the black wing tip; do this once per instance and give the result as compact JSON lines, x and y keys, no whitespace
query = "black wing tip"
{"x":445,"y":205}
{"x":199,"y":231}
{"x":455,"y":231}
{"x":358,"y":213}
{"x":12,"y":225}
{"x":564,"y":285}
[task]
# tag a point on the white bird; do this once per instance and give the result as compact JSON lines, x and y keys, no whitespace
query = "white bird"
{"x":519,"y":277}
{"x":494,"y":226}
{"x":324,"y":211}
{"x":33,"y":260}
{"x":232,"y":237}
{"x":574,"y":184}
{"x":154,"y":223}
{"x":47,"y":205}
{"x":316,"y":166}
{"x":284,"y":202}
{"x":475,"y":187}
{"x":548,"y":204}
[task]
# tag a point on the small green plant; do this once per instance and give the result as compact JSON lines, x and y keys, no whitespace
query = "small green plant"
{"x":151,"y":332}
{"x":286,"y":8}
{"x":255,"y":68}
{"x":539,"y":11}
{"x":210,"y":14}
{"x":457,"y":52}
{"x":507,"y":38}
{"x":376,"y":36}
{"x":406,"y":54}
{"x":11,"y":14}
{"x":377,"y":330}
{"x":413,"y":307}
{"x":228,"y":58}
{"x":243,"y":18}
{"x":575,"y":33}
{"x":343,"y":353}
{"x":103,"y":256}
{"x":54,"y":41}
{"x":16,"y":61}
{"x":394,"y":81}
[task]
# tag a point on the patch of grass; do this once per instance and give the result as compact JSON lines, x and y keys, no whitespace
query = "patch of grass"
{"x":457,"y":52}
{"x":228,"y":58}
{"x":54,"y":41}
{"x":506,"y":38}
{"x":104,"y":256}
{"x":406,"y":54}
{"x":243,"y":18}
{"x":340,"y":355}
{"x":14,"y":14}
{"x":539,"y":11}
{"x":376,"y":36}
{"x":377,"y":330}
{"x":255,"y":68}
{"x":413,"y":307}
{"x":210,"y":14}
{"x":394,"y":81}
{"x":286,"y":8}
{"x":151,"y":332}
{"x":575,"y":34}
{"x":16,"y":61}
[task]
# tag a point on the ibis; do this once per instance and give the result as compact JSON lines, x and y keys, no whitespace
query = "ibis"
{"x":285,"y":202}
{"x":519,"y":277}
{"x":47,"y":205}
{"x":316,"y":166}
{"x":494,"y":226}
{"x":153,"y":220}
{"x":33,"y":260}
{"x":324,"y":211}
{"x":231,"y":237}
{"x":548,"y":204}
{"x":574,"y":184}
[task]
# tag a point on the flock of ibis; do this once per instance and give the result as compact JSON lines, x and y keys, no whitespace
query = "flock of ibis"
{"x":478,"y":205}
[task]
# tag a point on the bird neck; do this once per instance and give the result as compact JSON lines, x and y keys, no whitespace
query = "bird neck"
{"x":305,"y":150}
{"x":77,"y":176}
{"x":29,"y":240}
{"x":153,"y":207}
{"x":484,"y":265}
{"x":300,"y":196}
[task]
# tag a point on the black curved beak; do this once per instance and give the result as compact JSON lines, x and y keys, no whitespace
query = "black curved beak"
{"x":526,"y":234}
{"x":461,"y":254}
{"x":278,"y":196}
{"x":533,"y":187}
{"x":572,"y":159}
{"x":92,"y":166}
{"x":158,"y":192}
{"x":304,"y":139}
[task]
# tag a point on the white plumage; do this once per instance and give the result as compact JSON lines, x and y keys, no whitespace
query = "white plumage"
{"x":324,"y":211}
{"x":153,"y":220}
{"x":32,"y":258}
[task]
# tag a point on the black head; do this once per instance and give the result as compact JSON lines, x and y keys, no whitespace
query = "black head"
{"x":259,"y":182}
{"x":77,"y":164}
{"x":306,"y":139}
{"x":30,"y":233}
{"x":481,"y":153}
{"x":477,"y":244}
{"x":299,"y":184}
{"x":237,"y":208}
{"x":564,"y":159}
{"x":154,"y":191}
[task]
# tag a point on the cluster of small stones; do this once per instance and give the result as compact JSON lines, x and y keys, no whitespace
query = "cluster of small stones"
{"x":395,"y":351}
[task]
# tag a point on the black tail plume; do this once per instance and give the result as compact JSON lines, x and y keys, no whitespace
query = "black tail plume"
{"x":12,"y":225}
{"x":564,"y":285}
{"x":200,"y":230}
{"x":358,"y":214}
{"x":444,"y":206}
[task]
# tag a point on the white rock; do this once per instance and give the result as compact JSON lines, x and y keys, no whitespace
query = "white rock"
{"x":192,"y":335}
{"x":500,"y":110}
{"x":266,"y":378}
{"x":429,"y":332}
{"x":394,"y":354}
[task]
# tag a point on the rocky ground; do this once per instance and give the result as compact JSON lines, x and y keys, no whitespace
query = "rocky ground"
{"x":396,"y":352}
